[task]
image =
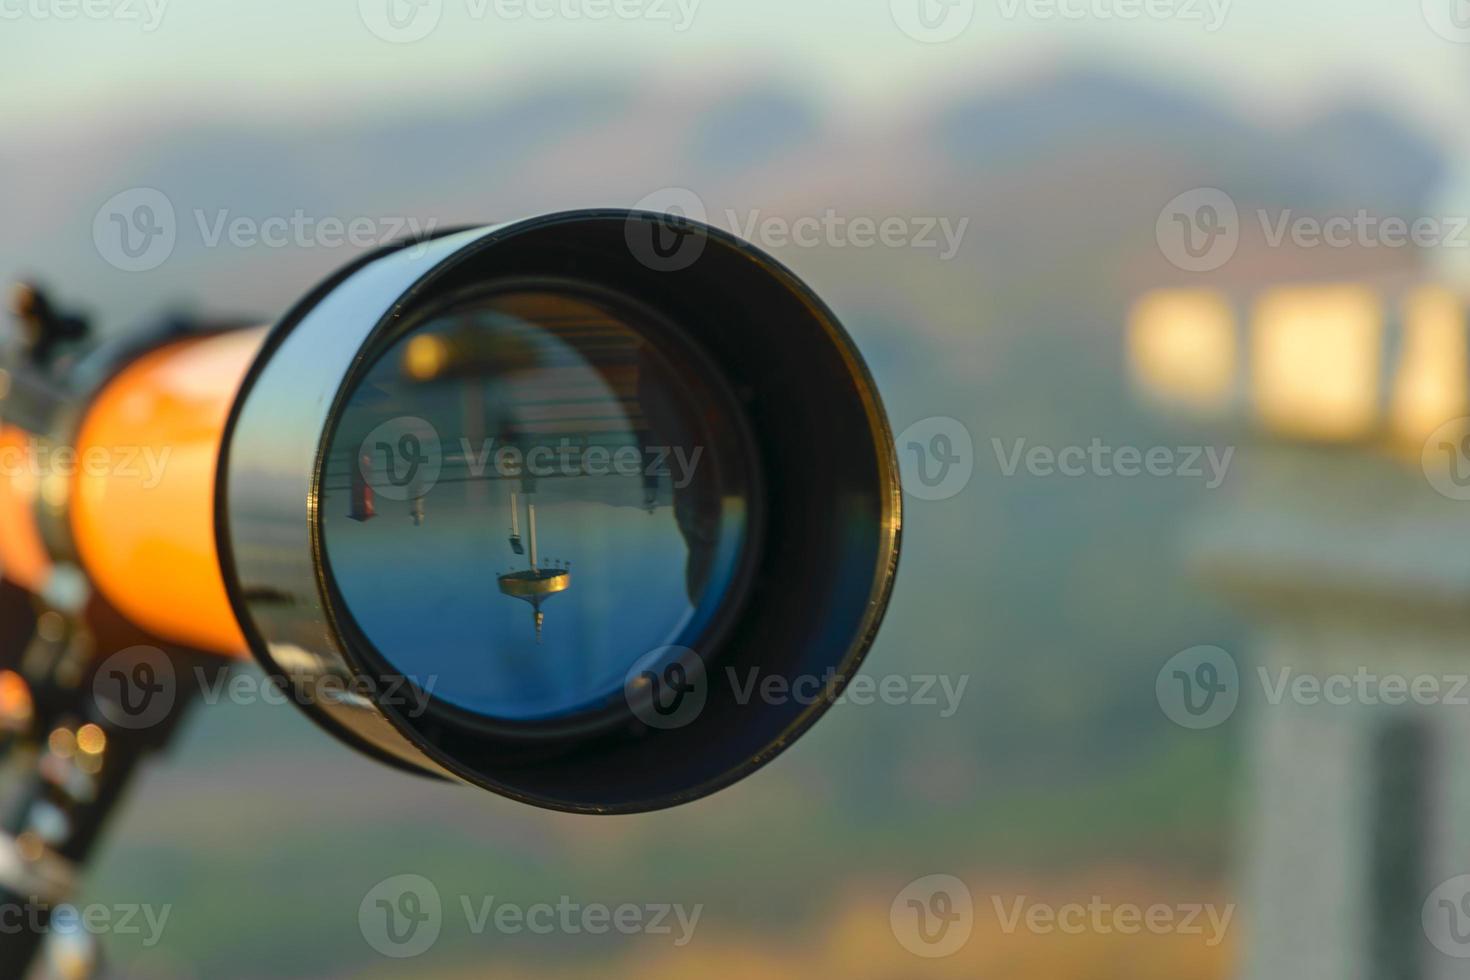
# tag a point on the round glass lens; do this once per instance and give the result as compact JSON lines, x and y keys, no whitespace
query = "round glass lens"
{"x":529,"y":491}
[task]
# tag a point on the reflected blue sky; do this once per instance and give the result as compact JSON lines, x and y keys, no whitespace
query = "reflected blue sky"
{"x":434,"y":609}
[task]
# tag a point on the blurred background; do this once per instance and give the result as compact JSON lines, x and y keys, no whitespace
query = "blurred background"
{"x":1111,"y":227}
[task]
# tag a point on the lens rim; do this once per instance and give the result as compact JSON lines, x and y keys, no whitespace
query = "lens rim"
{"x":842,"y":518}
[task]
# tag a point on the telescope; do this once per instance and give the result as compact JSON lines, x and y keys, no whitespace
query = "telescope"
{"x":541,"y":508}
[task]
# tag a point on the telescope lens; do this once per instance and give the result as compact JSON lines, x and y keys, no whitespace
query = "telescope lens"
{"x":592,"y":507}
{"x":529,"y":488}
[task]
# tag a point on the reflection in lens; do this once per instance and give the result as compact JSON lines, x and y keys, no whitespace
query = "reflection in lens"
{"x":525,"y":493}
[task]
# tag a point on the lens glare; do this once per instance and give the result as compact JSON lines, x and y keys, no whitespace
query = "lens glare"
{"x":526,"y":492}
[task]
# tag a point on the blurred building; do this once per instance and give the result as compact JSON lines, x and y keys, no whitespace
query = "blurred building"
{"x":1338,"y":531}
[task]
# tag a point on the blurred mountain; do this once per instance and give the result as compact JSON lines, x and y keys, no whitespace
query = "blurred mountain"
{"x":752,"y":128}
{"x":1059,"y":164}
{"x":1069,"y":111}
{"x":1352,"y":153}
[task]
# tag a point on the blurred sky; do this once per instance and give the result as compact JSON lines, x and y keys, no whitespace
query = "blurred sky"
{"x":286,"y":56}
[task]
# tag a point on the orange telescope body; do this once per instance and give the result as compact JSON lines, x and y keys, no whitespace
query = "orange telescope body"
{"x":23,"y":552}
{"x":145,"y":532}
{"x":139,"y":488}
